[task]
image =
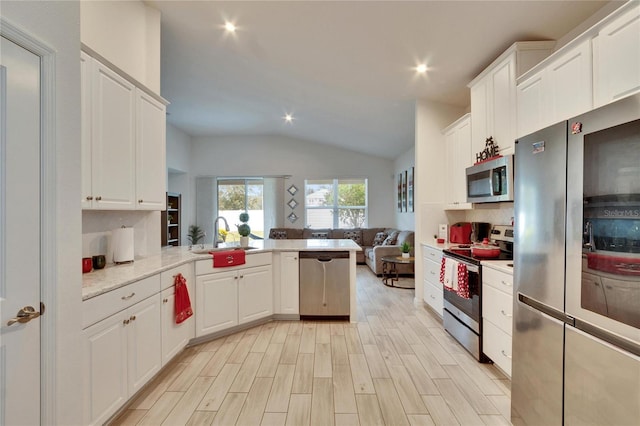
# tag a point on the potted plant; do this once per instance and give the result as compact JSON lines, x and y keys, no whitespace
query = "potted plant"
{"x":195,"y":234}
{"x":244,"y":230}
{"x":406,"y":250}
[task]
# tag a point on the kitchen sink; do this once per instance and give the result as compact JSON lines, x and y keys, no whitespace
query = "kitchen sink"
{"x":212,"y":249}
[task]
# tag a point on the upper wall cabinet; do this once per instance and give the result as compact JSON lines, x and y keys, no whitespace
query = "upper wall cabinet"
{"x":560,"y":90}
{"x":493,"y":95}
{"x":458,"y":149}
{"x":123,"y":142}
{"x":617,"y":57}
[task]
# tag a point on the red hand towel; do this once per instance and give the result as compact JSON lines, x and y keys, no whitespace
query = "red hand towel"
{"x":182,"y":301}
{"x":463,"y":281}
{"x":442,"y":270}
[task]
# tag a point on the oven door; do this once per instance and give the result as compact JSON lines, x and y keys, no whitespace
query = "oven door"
{"x":468,"y":307}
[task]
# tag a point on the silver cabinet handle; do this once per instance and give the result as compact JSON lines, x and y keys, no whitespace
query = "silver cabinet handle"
{"x":125,"y":322}
{"x":140,"y":201}
{"x":165,"y":300}
{"x":432,"y":296}
{"x":505,"y":314}
{"x":132,"y":318}
{"x":98,"y":198}
{"x":505,"y":354}
{"x":128,"y":297}
{"x":505,"y":283}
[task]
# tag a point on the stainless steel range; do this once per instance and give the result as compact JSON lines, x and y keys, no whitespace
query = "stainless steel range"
{"x":462,"y":315}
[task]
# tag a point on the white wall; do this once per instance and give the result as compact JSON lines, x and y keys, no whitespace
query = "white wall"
{"x":404,"y":162}
{"x":273,"y":155}
{"x":127,"y":33}
{"x":57,"y":25}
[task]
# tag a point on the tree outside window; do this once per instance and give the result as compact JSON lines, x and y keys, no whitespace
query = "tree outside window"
{"x":336,"y":203}
{"x":241,"y":195}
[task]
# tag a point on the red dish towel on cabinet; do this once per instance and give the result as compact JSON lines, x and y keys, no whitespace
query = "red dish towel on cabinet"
{"x":182,"y":301}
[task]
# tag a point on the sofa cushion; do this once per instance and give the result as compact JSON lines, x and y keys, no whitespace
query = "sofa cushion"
{"x":379,"y":238}
{"x":368,"y":235}
{"x":275,"y":234}
{"x":355,"y":235}
{"x":392,"y":239}
{"x":405,"y":237}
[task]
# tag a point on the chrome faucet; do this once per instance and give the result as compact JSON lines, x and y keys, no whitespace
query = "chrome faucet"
{"x":216,"y":229}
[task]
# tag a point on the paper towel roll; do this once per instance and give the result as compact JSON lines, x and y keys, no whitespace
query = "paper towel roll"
{"x":122,"y":242}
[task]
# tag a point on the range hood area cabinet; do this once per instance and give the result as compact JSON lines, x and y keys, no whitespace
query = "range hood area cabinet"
{"x":493,"y":95}
{"x":458,"y":156}
{"x":123,"y":141}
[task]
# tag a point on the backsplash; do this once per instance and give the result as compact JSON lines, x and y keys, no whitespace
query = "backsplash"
{"x":495,"y":214}
{"x":97,"y":227}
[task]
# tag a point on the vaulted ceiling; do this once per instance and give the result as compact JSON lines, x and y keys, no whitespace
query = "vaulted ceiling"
{"x":345,"y":70}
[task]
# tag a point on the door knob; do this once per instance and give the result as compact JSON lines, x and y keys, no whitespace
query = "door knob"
{"x":25,"y":314}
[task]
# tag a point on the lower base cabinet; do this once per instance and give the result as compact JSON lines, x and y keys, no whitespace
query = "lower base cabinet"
{"x":122,"y":352}
{"x":433,"y":290}
{"x":174,"y":336}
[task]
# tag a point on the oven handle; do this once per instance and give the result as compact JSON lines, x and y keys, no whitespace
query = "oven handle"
{"x":470,"y":267}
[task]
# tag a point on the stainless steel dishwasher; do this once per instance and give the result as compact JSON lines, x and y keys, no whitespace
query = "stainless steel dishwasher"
{"x":324,"y":284}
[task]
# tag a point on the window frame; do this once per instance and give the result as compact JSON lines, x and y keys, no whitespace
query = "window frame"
{"x":335,"y":207}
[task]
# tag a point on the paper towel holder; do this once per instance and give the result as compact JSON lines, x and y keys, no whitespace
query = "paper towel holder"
{"x":122,"y":242}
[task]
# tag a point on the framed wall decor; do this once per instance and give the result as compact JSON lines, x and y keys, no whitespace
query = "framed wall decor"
{"x":404,"y":191}
{"x":410,"y":190}
{"x":292,"y":203}
{"x":292,"y":190}
{"x":399,"y":191}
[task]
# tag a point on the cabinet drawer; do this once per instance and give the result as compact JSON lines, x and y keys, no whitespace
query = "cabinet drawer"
{"x":167,"y":278}
{"x":431,"y":271}
{"x":100,"y":307}
{"x":497,"y":307}
{"x":258,"y":259}
{"x":496,"y":344}
{"x":498,"y":280}
{"x":433,"y":297}
{"x":431,"y":253}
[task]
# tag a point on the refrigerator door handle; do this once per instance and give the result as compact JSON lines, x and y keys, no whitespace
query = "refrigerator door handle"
{"x":608,"y":337}
{"x":552,"y":312}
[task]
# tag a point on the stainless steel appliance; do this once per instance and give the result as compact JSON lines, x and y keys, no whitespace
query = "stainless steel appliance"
{"x":576,"y":340}
{"x":324,"y":284}
{"x":462,"y":316}
{"x":490,"y":181}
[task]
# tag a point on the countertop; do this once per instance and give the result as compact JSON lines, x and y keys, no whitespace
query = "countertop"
{"x":436,"y":245}
{"x":114,"y":276}
{"x":499,"y":265}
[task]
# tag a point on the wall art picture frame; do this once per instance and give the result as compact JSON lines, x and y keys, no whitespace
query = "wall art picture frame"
{"x":399,"y":191}
{"x":404,"y":191}
{"x":410,"y":191}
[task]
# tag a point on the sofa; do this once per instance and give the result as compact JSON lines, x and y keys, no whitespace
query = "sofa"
{"x":375,"y":243}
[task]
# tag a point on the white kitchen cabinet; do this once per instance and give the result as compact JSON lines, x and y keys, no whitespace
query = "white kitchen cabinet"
{"x":558,"y":91}
{"x":150,"y":152}
{"x":123,"y":146}
{"x":216,"y":302}
{"x":112,"y":139}
{"x":289,"y":283}
{"x":433,"y":291}
{"x":122,"y":352}
{"x":175,"y":336}
{"x":255,"y":294}
{"x":617,"y":57}
{"x":458,"y":157}
{"x":497,"y":316}
{"x":493,"y":96}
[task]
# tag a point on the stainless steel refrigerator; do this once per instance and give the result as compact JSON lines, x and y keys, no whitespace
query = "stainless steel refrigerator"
{"x":576,"y":338}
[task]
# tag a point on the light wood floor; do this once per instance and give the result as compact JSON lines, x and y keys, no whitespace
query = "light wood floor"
{"x":396,"y":366}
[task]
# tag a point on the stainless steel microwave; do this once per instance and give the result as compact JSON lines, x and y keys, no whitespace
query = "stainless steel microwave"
{"x":490,"y":181}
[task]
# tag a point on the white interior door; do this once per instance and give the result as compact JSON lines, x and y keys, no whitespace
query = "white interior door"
{"x":19,"y":235}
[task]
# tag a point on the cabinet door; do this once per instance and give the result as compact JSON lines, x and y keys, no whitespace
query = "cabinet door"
{"x":85,"y":126}
{"x":174,"y":336}
{"x":480,"y":102}
{"x":463,"y":160}
{"x":617,"y":58}
{"x":255,"y":294}
{"x":216,"y":302}
{"x":532,"y":111}
{"x":568,"y":87}
{"x":150,"y":153}
{"x":105,"y":368}
{"x":503,"y":105}
{"x":450,"y":151}
{"x":289,"y":283}
{"x":144,"y":346}
{"x":113,"y":140}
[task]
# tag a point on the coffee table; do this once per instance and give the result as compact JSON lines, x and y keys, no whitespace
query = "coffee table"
{"x":390,"y":271}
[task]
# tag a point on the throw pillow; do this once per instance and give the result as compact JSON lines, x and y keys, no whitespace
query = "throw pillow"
{"x":320,"y":235}
{"x":392,"y":239}
{"x":356,"y":236}
{"x":278,"y":235}
{"x":379,"y":238}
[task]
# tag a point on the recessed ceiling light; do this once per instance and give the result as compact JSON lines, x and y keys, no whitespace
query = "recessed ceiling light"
{"x":230,"y":27}
{"x":422,"y":68}
{"x":288,"y":118}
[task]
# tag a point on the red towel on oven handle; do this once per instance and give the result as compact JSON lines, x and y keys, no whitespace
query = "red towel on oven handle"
{"x":463,"y":281}
{"x":182,"y":302}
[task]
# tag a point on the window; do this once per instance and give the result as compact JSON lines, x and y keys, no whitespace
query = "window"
{"x":237,"y":195}
{"x":335,"y":203}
